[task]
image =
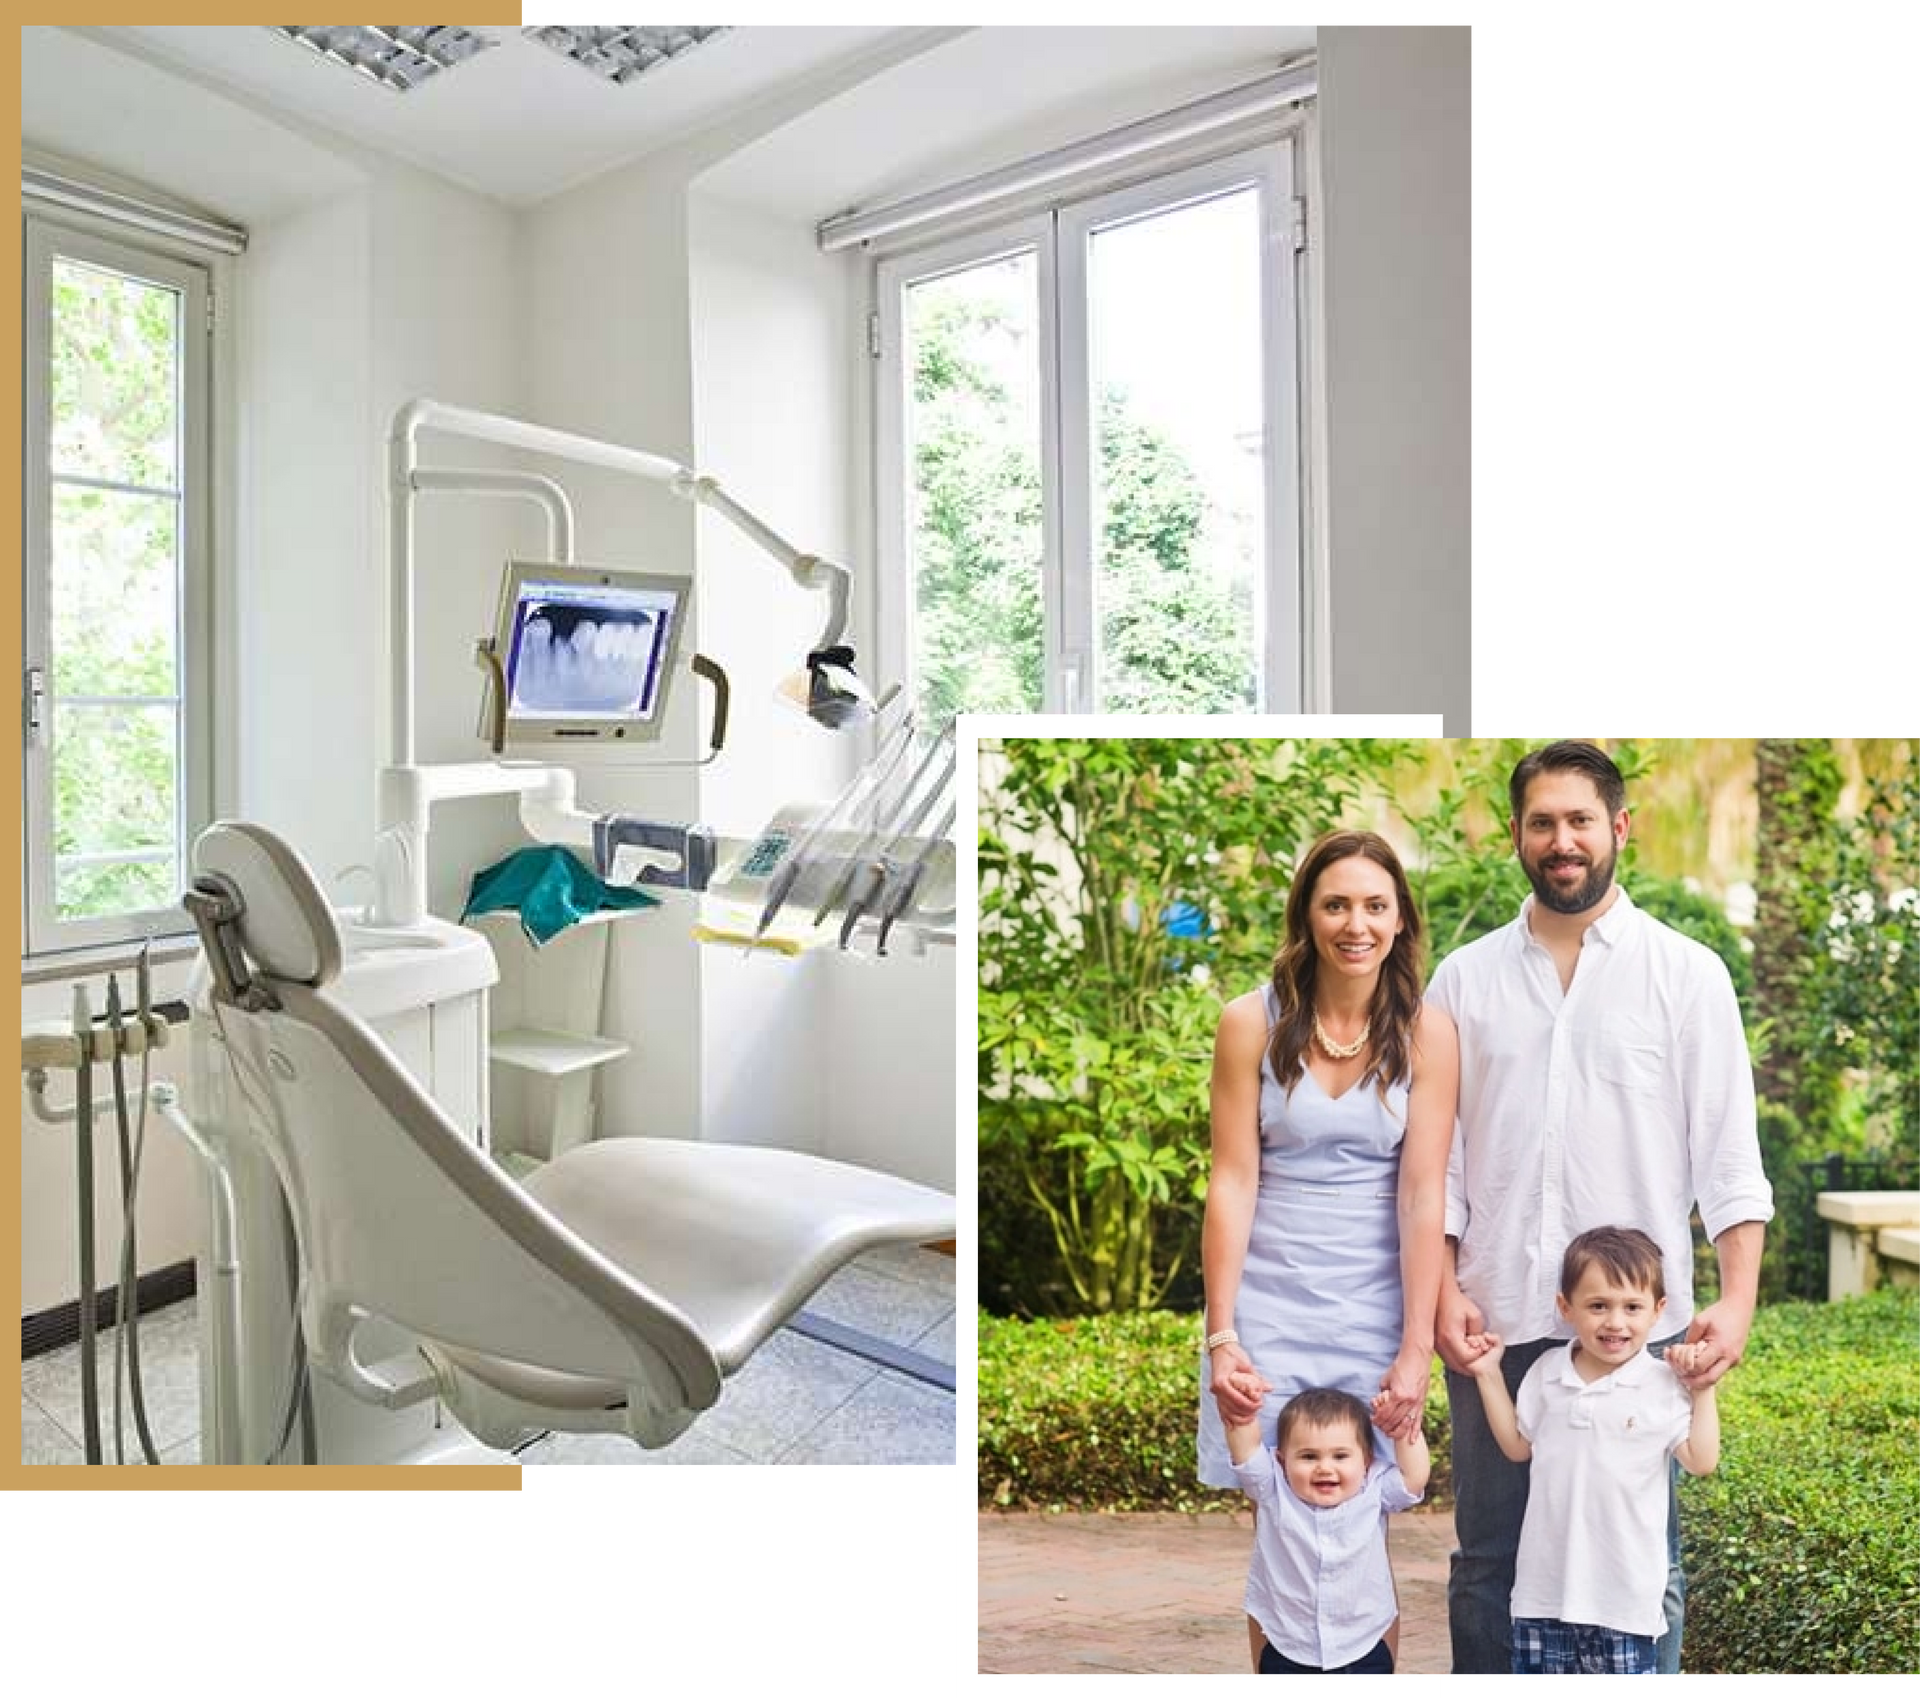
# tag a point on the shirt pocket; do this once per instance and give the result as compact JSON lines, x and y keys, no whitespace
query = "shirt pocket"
{"x":1630,"y":1055}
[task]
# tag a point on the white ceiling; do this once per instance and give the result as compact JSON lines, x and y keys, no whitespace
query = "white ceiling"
{"x":519,"y":122}
{"x":870,"y":111}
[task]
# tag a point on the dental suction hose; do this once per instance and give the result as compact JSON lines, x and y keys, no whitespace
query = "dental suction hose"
{"x":223,"y":1444}
{"x":77,"y":1047}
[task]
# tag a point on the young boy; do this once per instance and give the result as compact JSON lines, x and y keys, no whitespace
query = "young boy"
{"x":1599,"y":1422}
{"x":1318,"y":1584}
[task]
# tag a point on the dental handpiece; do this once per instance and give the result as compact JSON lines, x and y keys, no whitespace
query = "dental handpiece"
{"x":910,"y":883}
{"x":788,"y":873}
{"x":874,"y":874}
{"x":857,"y":865}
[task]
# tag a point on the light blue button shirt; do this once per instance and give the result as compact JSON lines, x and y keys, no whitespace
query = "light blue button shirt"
{"x":1319,"y":1584}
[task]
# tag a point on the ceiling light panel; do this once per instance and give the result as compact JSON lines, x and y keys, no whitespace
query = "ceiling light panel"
{"x":397,"y":56}
{"x":621,"y":52}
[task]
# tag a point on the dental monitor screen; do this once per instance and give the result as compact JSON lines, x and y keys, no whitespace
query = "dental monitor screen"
{"x":587,"y":651}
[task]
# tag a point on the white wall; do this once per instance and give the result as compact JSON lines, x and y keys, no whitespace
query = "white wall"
{"x":1394,"y":141}
{"x":443,"y":323}
{"x":768,"y":337}
{"x":604,"y":316}
{"x":850,"y":1050}
{"x":308,"y":598}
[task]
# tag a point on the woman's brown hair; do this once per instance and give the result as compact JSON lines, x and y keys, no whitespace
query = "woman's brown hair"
{"x":1396,"y":997}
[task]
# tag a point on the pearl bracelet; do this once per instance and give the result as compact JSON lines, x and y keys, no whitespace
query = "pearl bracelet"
{"x":1225,"y":1336}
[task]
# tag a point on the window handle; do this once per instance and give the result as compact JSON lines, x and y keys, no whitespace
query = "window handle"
{"x":36,"y":701}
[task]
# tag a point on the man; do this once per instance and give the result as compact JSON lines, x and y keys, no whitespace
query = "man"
{"x":1604,"y":1081}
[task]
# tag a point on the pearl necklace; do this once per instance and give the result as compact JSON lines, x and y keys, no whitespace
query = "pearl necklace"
{"x":1339,"y":1052}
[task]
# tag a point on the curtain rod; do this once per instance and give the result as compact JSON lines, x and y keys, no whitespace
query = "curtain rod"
{"x":37,"y":184}
{"x":1289,"y":86}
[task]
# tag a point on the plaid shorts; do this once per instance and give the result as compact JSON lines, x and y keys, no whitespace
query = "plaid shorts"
{"x":1569,"y":1647}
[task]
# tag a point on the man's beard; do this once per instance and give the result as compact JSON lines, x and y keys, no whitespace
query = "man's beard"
{"x":1580,"y":898}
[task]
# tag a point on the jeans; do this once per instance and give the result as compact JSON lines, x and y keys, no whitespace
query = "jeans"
{"x":1490,"y":1502}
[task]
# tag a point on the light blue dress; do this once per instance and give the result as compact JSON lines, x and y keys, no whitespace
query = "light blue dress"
{"x":1320,"y":1300}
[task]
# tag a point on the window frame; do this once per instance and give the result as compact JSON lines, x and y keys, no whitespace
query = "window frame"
{"x":1058,"y":231}
{"x":49,"y":239}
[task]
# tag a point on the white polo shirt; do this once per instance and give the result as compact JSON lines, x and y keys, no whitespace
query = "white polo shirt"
{"x":1593,"y":1546}
{"x":1318,"y":1584}
{"x":1621,"y":1102}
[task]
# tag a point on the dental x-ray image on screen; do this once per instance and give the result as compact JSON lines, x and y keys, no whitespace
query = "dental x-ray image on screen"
{"x":586,"y":647}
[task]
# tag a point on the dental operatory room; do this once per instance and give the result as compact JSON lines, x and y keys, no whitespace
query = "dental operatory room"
{"x":512,"y":515}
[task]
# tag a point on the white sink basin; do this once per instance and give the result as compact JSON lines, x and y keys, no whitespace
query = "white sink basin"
{"x":391,"y":968}
{"x":362,"y":939}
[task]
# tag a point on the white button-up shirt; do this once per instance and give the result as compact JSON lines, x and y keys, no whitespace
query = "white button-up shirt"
{"x":1621,"y":1102}
{"x":1319,"y":1584}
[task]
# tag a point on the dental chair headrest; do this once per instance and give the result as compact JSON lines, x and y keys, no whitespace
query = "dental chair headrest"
{"x":285,"y":925}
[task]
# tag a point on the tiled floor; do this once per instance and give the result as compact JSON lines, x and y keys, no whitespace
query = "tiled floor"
{"x":795,"y":1401}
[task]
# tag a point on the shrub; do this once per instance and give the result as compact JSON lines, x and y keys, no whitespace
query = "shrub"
{"x":1096,"y":1413}
{"x":1099,"y":1413}
{"x":1800,"y":1549}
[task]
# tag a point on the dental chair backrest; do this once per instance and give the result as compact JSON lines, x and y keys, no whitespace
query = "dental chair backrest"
{"x":397,"y":1211}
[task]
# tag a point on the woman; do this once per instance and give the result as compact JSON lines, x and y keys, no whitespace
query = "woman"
{"x":1332,"y":1107}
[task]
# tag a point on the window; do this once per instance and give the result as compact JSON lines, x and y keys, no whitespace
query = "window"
{"x":1088,"y":452}
{"x":116,"y":497}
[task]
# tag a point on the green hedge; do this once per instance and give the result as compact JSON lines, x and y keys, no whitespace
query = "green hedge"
{"x":1802,"y":1549}
{"x":1099,"y":1413}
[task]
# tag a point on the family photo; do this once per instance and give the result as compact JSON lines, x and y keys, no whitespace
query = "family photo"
{"x":1448,"y":1207}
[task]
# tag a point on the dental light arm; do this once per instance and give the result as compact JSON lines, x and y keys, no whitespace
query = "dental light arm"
{"x":810,"y":571}
{"x":833,"y":695}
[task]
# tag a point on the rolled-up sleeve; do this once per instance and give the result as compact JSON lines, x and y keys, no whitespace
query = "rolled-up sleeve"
{"x":1723,"y":1136}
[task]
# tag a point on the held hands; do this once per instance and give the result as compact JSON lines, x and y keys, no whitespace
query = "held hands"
{"x":1716,"y":1341}
{"x":1481,"y":1352}
{"x":1243,"y":1389}
{"x":1458,"y":1320}
{"x":1238,"y":1386}
{"x":1402,"y":1396}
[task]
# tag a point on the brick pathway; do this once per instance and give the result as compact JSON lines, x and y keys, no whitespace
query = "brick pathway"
{"x":1160,"y":1594}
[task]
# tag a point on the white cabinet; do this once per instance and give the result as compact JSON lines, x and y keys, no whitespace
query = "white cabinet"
{"x":546,"y":1041}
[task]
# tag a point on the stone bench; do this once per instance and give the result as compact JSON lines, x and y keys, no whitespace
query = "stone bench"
{"x":1869,"y":1232}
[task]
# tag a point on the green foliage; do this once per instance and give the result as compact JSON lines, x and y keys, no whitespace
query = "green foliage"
{"x":1096,"y":1025}
{"x":977,"y":534}
{"x":1097,"y":1412}
{"x":113,"y":388}
{"x":114,"y":589}
{"x":1172,"y":641}
{"x":1862,"y":1013}
{"x":1800,"y":1555}
{"x":1797,"y":783}
{"x":1172,"y":638}
{"x":1467,"y":899}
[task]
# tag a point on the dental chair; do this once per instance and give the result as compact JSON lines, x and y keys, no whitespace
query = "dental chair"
{"x":612,"y":1291}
